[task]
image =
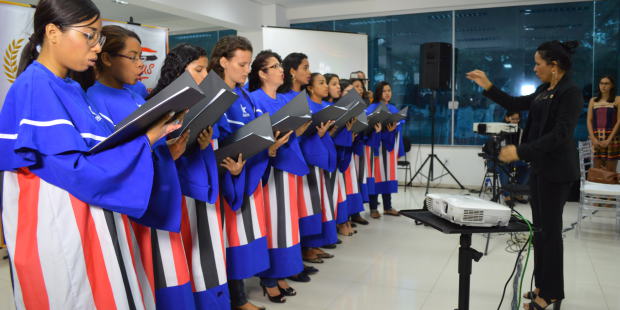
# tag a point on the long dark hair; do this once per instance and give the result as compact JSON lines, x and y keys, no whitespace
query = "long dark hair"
{"x":175,"y":63}
{"x":379,"y":90}
{"x":558,"y":51}
{"x":328,"y":78}
{"x":61,"y":13}
{"x":226,"y":48}
{"x":259,"y":65}
{"x":291,"y":61}
{"x":612,"y":91}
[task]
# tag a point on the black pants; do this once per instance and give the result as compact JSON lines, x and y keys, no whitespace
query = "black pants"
{"x":374,"y":201}
{"x":547,"y":200}
{"x":238,"y":297}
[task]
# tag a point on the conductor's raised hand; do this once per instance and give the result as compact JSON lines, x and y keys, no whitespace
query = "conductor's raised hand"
{"x":280,"y":141}
{"x":178,"y":145}
{"x":163,"y":126}
{"x":480,"y":78}
{"x":204,"y":138}
{"x":322,"y":129}
{"x":234,"y":167}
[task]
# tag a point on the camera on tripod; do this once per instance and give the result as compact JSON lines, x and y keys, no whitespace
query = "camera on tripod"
{"x":500,"y":135}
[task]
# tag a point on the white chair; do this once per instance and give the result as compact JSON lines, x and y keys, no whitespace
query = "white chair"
{"x":592,"y":195}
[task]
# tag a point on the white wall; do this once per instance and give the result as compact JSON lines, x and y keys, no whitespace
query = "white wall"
{"x":463,"y":162}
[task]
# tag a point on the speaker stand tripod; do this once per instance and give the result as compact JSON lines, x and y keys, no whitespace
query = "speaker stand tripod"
{"x":432,"y":157}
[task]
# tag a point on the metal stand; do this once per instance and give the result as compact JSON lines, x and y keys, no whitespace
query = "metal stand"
{"x":466,"y":255}
{"x":432,"y":156}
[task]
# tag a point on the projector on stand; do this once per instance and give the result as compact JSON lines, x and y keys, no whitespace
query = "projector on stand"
{"x":468,"y":210}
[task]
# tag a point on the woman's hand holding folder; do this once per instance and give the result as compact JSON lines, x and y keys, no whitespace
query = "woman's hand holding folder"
{"x":204,"y":139}
{"x":234,"y":167}
{"x":164,"y":127}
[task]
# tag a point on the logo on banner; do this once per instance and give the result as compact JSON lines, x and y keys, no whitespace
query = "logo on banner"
{"x":10,"y":61}
{"x":150,"y":55}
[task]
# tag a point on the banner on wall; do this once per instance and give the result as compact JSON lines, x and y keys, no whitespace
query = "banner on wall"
{"x":154,"y":49}
{"x":15,"y":29}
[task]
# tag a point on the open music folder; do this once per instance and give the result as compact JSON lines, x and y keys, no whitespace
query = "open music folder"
{"x":218,"y":98}
{"x":361,"y":124}
{"x":181,"y":94}
{"x":379,"y":115}
{"x":399,"y":116}
{"x":249,"y":140}
{"x":329,"y":113}
{"x":294,"y":114}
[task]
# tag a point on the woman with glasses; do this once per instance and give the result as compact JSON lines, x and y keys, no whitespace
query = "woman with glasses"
{"x":286,"y":163}
{"x":603,"y":124}
{"x":66,"y":210}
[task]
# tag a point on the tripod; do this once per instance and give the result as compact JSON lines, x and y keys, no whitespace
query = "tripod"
{"x":430,"y":159}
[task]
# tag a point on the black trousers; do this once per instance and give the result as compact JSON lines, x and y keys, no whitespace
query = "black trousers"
{"x":374,"y":201}
{"x":547,"y":200}
{"x":238,"y":297}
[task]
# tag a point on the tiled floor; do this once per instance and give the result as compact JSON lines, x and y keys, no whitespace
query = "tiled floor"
{"x":393,"y":264}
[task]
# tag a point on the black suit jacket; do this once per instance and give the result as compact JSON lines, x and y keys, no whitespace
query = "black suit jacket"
{"x":554,"y":154}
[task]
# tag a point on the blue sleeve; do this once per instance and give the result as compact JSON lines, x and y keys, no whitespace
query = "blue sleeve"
{"x":331,"y":152}
{"x":255,"y":168}
{"x":119,"y":179}
{"x":233,"y":188}
{"x":387,"y":139}
{"x":164,"y":209}
{"x":344,"y":156}
{"x":289,"y":158}
{"x":198,"y":174}
{"x":343,"y":138}
{"x":314,"y":151}
{"x":374,"y":141}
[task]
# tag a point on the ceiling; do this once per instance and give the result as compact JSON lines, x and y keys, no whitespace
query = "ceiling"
{"x":299,"y":3}
{"x":120,"y":12}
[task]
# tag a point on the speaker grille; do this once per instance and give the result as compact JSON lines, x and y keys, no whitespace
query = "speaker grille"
{"x":473,"y":216}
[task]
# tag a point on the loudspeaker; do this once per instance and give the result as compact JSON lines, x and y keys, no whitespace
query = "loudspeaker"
{"x":435,"y":65}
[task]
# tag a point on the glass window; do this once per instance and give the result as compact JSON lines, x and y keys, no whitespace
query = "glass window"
{"x":205,"y":40}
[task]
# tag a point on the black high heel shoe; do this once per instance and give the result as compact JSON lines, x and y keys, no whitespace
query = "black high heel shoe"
{"x":287,"y":291}
{"x":550,"y":305}
{"x":280,"y":299}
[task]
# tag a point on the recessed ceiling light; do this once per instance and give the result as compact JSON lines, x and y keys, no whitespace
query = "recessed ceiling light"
{"x":121,"y":2}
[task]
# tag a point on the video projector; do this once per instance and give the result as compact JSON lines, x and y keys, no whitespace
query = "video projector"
{"x":468,"y":210}
{"x":495,"y":128}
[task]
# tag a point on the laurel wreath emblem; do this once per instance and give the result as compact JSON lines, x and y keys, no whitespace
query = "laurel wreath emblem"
{"x":10,"y":62}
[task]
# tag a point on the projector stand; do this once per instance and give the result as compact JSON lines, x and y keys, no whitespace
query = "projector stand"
{"x":432,"y":156}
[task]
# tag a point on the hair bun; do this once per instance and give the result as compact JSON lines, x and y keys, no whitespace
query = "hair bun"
{"x":570,"y":46}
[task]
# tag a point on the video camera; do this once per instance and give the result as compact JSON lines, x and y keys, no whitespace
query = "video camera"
{"x":500,"y":135}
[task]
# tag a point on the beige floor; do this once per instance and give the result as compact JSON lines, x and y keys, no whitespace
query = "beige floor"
{"x":393,"y":264}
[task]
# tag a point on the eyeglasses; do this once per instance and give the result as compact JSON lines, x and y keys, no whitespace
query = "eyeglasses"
{"x":92,"y":38}
{"x":274,"y":66}
{"x":133,"y":58}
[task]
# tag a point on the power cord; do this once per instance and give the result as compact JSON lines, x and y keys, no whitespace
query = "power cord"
{"x":528,"y":245}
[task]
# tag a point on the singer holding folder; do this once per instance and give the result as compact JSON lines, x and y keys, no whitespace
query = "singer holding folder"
{"x":286,"y":163}
{"x":246,"y":254}
{"x":65,"y":210}
{"x":383,"y":158}
{"x":326,"y":164}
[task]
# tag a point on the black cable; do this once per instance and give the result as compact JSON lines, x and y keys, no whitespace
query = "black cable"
{"x":511,"y":275}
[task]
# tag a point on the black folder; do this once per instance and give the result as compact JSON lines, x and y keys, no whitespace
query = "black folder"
{"x":361,"y":124}
{"x":379,"y":115}
{"x":329,"y":113}
{"x":248,"y":140}
{"x":353,"y":109}
{"x":292,"y":115}
{"x":181,"y":94}
{"x":399,"y":116}
{"x":218,"y":98}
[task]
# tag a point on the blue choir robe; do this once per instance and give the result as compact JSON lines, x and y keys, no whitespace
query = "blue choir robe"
{"x":72,"y":205}
{"x":329,"y":197}
{"x":138,"y":88}
{"x":280,"y":192}
{"x":384,"y":157}
{"x":246,"y":254}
